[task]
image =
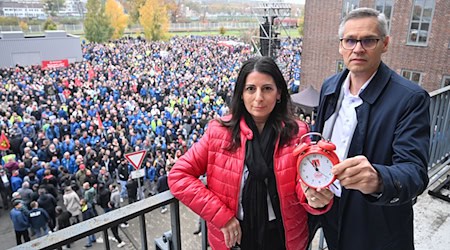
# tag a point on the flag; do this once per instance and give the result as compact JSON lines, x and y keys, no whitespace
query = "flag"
{"x":4,"y":142}
{"x":99,"y":121}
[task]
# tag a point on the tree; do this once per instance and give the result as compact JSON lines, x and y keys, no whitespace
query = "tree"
{"x":23,"y":26}
{"x":117,"y":18}
{"x":222,"y":30}
{"x":133,"y":9}
{"x":174,"y":8}
{"x":52,"y":7}
{"x":50,"y":25}
{"x":154,"y":20}
{"x":96,"y":24}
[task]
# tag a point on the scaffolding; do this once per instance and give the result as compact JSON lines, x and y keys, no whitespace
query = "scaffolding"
{"x":270,"y":15}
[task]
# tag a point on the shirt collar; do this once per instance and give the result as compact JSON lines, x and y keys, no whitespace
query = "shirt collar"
{"x":346,"y":85}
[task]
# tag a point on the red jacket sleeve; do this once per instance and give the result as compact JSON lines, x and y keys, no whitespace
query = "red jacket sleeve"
{"x":185,"y":185}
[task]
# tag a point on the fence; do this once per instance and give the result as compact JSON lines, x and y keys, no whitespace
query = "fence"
{"x":173,"y":27}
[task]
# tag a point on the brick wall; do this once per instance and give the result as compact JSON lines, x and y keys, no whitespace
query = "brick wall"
{"x":320,"y":45}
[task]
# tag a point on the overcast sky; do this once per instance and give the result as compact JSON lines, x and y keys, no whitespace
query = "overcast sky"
{"x":295,"y":1}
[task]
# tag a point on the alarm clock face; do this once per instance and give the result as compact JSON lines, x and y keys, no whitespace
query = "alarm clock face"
{"x":315,"y":170}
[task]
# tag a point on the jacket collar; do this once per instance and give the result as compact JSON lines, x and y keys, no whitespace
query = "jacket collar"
{"x":372,"y":91}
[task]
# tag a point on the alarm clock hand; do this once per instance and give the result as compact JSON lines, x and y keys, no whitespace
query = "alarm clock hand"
{"x":312,"y":164}
{"x":317,"y":169}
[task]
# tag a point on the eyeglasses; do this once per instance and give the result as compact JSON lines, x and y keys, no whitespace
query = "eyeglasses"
{"x":366,"y":43}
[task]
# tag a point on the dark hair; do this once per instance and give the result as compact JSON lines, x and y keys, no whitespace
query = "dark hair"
{"x":282,"y":112}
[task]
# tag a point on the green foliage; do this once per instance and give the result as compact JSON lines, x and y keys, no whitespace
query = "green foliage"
{"x":133,"y":9}
{"x":8,"y":20}
{"x":52,"y":7}
{"x":97,"y":27}
{"x":35,"y":22}
{"x":50,"y":25}
{"x":301,"y":23}
{"x":222,"y":30}
{"x":69,"y":20}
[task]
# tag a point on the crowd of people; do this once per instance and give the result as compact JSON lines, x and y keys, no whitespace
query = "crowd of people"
{"x":68,"y":129}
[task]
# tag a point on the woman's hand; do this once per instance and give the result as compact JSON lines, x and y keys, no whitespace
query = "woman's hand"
{"x":317,"y":198}
{"x":232,"y":232}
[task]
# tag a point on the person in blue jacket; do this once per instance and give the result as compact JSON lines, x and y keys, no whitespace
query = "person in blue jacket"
{"x":380,"y":123}
{"x":19,"y":218}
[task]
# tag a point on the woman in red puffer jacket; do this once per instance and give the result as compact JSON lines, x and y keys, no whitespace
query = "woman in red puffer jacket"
{"x":253,"y":198}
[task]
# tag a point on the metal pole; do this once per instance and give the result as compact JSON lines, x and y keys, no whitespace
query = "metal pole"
{"x":143,"y":232}
{"x":175,"y":225}
{"x":139,"y":189}
{"x":106,"y":239}
{"x":204,"y":234}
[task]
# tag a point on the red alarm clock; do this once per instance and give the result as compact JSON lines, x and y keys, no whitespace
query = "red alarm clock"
{"x":315,"y":160}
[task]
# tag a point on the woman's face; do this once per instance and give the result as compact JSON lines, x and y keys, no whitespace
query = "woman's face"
{"x":260,"y":96}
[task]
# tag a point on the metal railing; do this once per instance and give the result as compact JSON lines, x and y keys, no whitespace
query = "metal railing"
{"x":440,"y":131}
{"x":173,"y":27}
{"x":102,"y":222}
{"x":439,"y":157}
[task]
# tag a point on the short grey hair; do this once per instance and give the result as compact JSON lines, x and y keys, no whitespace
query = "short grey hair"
{"x":362,"y":13}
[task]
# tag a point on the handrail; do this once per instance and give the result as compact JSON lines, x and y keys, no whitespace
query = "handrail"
{"x":113,"y":218}
{"x":440,"y":128}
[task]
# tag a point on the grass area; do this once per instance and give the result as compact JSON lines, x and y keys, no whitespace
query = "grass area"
{"x":206,"y":33}
{"x":292,"y":32}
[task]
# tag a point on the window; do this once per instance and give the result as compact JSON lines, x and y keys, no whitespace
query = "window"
{"x":385,"y":6}
{"x":421,"y":16}
{"x":340,"y":66}
{"x":413,"y":76}
{"x":349,"y":5}
{"x":445,"y":81}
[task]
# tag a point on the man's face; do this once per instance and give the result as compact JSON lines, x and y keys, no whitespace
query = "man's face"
{"x":362,"y":61}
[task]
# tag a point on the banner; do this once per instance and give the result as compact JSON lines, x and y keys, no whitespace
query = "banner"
{"x":99,"y":121}
{"x":55,"y":64}
{"x":4,"y":142}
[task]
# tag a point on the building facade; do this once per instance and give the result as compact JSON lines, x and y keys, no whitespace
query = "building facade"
{"x":16,"y":49}
{"x":419,"y":48}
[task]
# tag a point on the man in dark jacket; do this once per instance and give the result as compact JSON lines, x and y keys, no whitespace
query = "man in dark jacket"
{"x":380,"y":124}
{"x":162,"y":186}
{"x":5,"y":188}
{"x":48,"y":203}
{"x":103,"y":197}
{"x":132,"y":189}
{"x":123,"y":178}
{"x":63,"y":219}
{"x":88,"y":213}
{"x":38,"y":220}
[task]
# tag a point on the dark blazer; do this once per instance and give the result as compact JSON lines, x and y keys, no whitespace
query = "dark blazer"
{"x":393,"y":132}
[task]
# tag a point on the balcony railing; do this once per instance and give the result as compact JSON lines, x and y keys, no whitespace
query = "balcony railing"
{"x":440,"y":133}
{"x":439,"y":157}
{"x":102,"y":222}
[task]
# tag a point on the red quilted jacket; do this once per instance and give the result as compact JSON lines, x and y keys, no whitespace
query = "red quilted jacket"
{"x":218,"y":202}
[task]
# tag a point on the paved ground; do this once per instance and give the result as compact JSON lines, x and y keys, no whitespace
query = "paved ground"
{"x":432,"y":228}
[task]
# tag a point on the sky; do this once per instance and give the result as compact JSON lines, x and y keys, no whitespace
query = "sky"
{"x":295,"y":1}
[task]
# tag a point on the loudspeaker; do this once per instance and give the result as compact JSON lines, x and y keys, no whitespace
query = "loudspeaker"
{"x":264,"y":40}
